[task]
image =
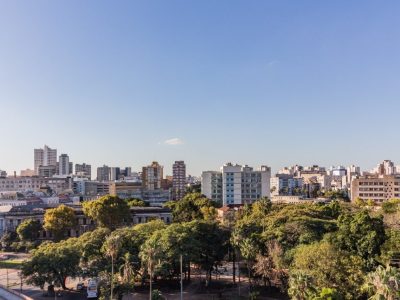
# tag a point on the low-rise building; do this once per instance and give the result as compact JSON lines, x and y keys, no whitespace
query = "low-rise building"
{"x":378,"y":188}
{"x":12,"y":216}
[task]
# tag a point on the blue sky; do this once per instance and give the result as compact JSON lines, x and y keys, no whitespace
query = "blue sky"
{"x":256,"y":82}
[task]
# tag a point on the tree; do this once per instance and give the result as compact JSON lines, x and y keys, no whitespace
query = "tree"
{"x":52,"y":263}
{"x":112,"y":246}
{"x":384,"y":283}
{"x":391,"y":206}
{"x":7,"y":239}
{"x":213,"y":243}
{"x":90,"y":245}
{"x":193,"y":206}
{"x":135,"y":202}
{"x":270,"y":266}
{"x":107,"y":211}
{"x":330,"y":268}
{"x":301,"y":286}
{"x":391,"y":248}
{"x":58,"y":220}
{"x":362,"y":235}
{"x":328,"y":294}
{"x":29,"y":229}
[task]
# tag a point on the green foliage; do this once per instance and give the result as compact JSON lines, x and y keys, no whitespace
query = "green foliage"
{"x":391,"y":248}
{"x":330,"y":268}
{"x":337,"y":195}
{"x":58,"y":220}
{"x":362,"y":235}
{"x":135,"y":202}
{"x":292,"y":225}
{"x":156,"y":295}
{"x":52,"y":263}
{"x":391,"y":206}
{"x":383,"y":283}
{"x":7,"y":239}
{"x":29,"y":229}
{"x":328,"y":294}
{"x":193,"y":206}
{"x":107,"y":211}
{"x":301,"y":286}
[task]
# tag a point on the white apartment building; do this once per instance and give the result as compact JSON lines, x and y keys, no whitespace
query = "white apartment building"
{"x":211,"y":185}
{"x":44,"y":157}
{"x":285,"y":184}
{"x":236,"y":184}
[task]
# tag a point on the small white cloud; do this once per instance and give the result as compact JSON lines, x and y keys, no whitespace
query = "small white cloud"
{"x":273,"y":62}
{"x":173,"y":142}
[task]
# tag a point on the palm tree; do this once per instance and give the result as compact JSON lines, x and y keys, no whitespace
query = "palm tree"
{"x":112,"y":246}
{"x":301,"y":286}
{"x":384,"y":283}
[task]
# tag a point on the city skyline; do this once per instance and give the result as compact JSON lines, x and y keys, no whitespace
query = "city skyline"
{"x":208,"y":83}
{"x":169,"y":166}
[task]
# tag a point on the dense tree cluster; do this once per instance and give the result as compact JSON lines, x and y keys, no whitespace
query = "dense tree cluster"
{"x":308,"y":251}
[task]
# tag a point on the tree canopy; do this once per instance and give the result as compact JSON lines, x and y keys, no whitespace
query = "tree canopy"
{"x":108,"y":211}
{"x":58,"y":220}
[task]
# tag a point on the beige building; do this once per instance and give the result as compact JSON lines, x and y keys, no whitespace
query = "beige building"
{"x":378,"y":188}
{"x":152,"y":176}
{"x":44,"y":157}
{"x":125,"y":190}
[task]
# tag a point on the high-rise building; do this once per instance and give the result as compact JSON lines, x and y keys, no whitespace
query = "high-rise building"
{"x":64,"y":165}
{"x":44,"y":157}
{"x":103,"y":173}
{"x":236,"y":184}
{"x":152,"y":176}
{"x":83,"y":170}
{"x":178,"y":180}
{"x":387,"y":167}
{"x":114,"y":173}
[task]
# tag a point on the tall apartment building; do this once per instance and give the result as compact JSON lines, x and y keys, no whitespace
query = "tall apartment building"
{"x":211,"y":185}
{"x":152,"y":176}
{"x":83,"y":170}
{"x":378,"y":188}
{"x":387,"y":167}
{"x":114,"y":173}
{"x":44,"y":157}
{"x":64,"y":165}
{"x":236,"y":184}
{"x":103,"y":173}
{"x":178,"y":180}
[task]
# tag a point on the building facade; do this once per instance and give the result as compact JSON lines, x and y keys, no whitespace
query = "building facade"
{"x":104,"y":173}
{"x":378,"y":188}
{"x":178,"y":180}
{"x":152,"y":176}
{"x":44,"y":157}
{"x":237,"y":184}
{"x":84,"y":170}
{"x":22,"y":184}
{"x":64,"y":165}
